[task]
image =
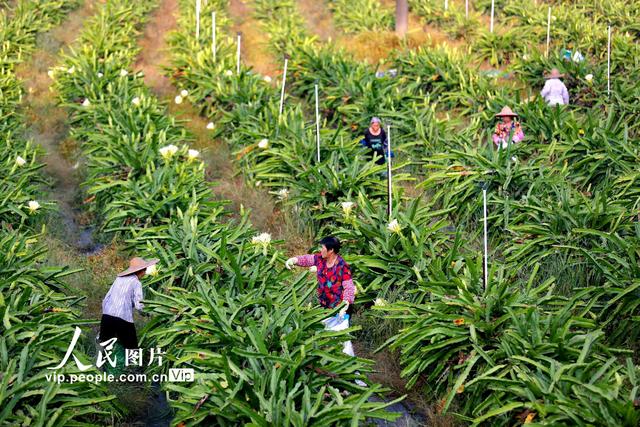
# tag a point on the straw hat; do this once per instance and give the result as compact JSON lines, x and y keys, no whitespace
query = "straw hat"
{"x":506,"y":111}
{"x":554,"y":74}
{"x":137,"y":264}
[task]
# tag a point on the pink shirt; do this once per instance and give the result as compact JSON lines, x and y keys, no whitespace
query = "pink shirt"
{"x":502,"y":133}
{"x":348,"y":288}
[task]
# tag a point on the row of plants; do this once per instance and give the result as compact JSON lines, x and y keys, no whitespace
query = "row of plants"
{"x":289,"y":30}
{"x":454,"y":21}
{"x":38,"y":315}
{"x":393,"y":264}
{"x":218,"y":279}
{"x":361,"y":15}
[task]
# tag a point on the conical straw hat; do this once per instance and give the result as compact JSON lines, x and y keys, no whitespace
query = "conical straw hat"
{"x":506,"y":111}
{"x":137,"y":264}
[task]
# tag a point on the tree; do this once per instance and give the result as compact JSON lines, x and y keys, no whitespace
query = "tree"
{"x":402,"y":17}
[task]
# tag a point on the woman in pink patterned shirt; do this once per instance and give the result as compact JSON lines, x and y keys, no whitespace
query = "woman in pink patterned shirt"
{"x":508,"y":130}
{"x":333,"y":273}
{"x":334,"y":285}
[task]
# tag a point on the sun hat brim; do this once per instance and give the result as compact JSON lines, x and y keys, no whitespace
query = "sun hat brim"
{"x":143,"y":266}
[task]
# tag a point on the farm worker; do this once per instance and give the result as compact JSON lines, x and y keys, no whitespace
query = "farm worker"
{"x":507,"y":129}
{"x":334,"y":284}
{"x":333,"y":273}
{"x":554,"y":91}
{"x":124,"y":295}
{"x":375,"y":140}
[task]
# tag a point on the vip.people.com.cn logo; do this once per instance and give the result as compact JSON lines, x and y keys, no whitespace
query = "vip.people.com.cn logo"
{"x":133,"y":357}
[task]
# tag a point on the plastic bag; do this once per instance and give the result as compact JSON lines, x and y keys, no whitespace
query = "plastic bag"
{"x":340,"y":323}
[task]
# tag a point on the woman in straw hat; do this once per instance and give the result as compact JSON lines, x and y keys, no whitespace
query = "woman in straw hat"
{"x":117,"y":307}
{"x":554,"y":91}
{"x":507,"y":128}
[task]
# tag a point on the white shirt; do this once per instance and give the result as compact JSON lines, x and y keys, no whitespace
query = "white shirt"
{"x":555,"y":92}
{"x":125,"y":294}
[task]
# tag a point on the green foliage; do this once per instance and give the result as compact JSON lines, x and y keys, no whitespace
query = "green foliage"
{"x":361,"y":15}
{"x":37,"y":316}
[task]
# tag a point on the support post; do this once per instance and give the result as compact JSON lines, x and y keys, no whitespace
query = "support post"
{"x":239,"y":43}
{"x":317,"y":125}
{"x":493,"y":8}
{"x":486,"y":245}
{"x":609,"y":61}
{"x":389,"y":179}
{"x":284,"y":82}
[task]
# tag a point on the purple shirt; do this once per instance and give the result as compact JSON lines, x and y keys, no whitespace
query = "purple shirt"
{"x":125,"y":294}
{"x":555,"y":92}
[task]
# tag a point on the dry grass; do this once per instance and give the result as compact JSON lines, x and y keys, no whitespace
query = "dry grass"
{"x":379,"y":46}
{"x":98,"y":273}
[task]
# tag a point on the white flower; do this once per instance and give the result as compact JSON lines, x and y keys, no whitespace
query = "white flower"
{"x":168,"y":151}
{"x":525,"y":57}
{"x":184,"y":93}
{"x":193,"y":154}
{"x":267,"y":79}
{"x":210,"y":125}
{"x":71,"y":70}
{"x":136,"y":101}
{"x":178,"y":99}
{"x":588,"y":77}
{"x":20,"y":161}
{"x":394,"y":226}
{"x":347,"y":207}
{"x":100,"y":75}
{"x":152,"y":270}
{"x":51,"y":74}
{"x":228,"y":73}
{"x":283,"y":194}
{"x":379,"y":302}
{"x":33,"y":206}
{"x":258,"y":183}
{"x":261,"y":239}
{"x":86,"y":102}
{"x":264,"y":143}
{"x":123,"y":72}
{"x":313,"y":269}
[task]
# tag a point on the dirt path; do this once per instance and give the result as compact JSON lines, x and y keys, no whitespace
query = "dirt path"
{"x":46,"y":125}
{"x":255,"y":43}
{"x":318,"y":18}
{"x":153,"y":55}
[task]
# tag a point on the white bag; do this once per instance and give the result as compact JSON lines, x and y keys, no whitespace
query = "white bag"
{"x":340,"y":323}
